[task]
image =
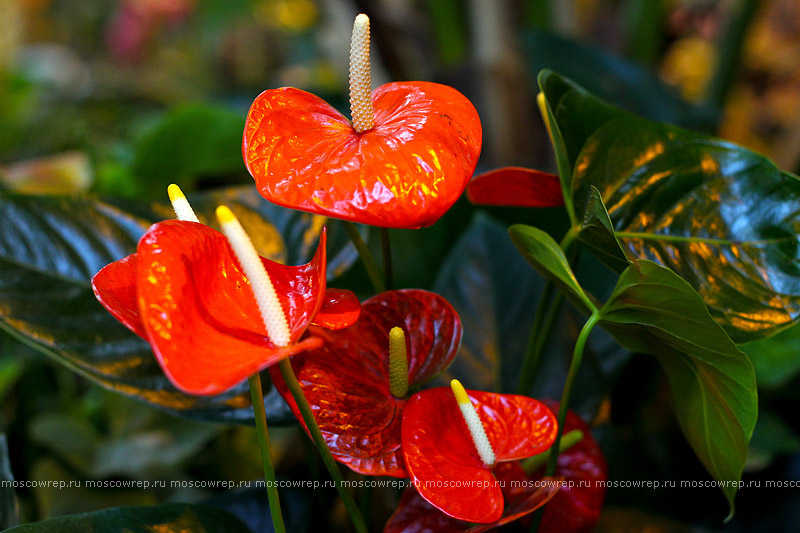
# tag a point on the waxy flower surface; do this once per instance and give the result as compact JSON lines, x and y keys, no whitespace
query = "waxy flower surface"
{"x":347,"y":379}
{"x":515,"y":187}
{"x":185,"y":293}
{"x":415,"y":515}
{"x":405,"y":172}
{"x":569,"y":509}
{"x":405,"y":159}
{"x":449,"y":469}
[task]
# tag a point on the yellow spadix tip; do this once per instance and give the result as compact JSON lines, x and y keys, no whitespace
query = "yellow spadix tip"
{"x":361,"y":19}
{"x":175,"y":193}
{"x":459,"y":392}
{"x":225,"y":215}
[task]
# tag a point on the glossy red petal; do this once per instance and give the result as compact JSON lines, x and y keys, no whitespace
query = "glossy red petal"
{"x":415,"y":515}
{"x":403,"y":173}
{"x":201,"y":317}
{"x":346,"y":381}
{"x":340,"y":309}
{"x":441,"y":458}
{"x":515,"y":187}
{"x":576,"y":509}
{"x":115,"y":288}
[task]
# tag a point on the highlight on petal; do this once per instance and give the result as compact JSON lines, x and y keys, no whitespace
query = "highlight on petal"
{"x":414,"y":514}
{"x":441,"y":458}
{"x":405,"y":172}
{"x":515,"y":187}
{"x":340,"y":309}
{"x":346,"y":381}
{"x":114,"y":286}
{"x":200,"y":314}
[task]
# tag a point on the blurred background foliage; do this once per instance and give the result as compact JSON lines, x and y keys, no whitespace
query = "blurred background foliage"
{"x":120,"y":98}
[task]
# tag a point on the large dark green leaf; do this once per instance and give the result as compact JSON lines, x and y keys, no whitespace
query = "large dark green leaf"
{"x":613,"y":78}
{"x":654,"y":311}
{"x":50,"y":248}
{"x":167,"y":518}
{"x":723,"y":217}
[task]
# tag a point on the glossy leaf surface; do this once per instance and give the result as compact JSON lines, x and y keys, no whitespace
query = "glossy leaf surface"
{"x":597,"y":232}
{"x":415,"y":515}
{"x":575,"y":508}
{"x":515,"y":187}
{"x":403,"y":173}
{"x":167,"y":518}
{"x":713,"y":385}
{"x":56,"y":245}
{"x":721,"y":216}
{"x":441,"y":457}
{"x":346,"y":381}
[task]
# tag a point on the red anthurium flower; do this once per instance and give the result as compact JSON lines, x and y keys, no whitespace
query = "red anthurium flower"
{"x":185,"y":293}
{"x":576,"y":509}
{"x":449,"y":468}
{"x":347,"y":379}
{"x":515,"y":187}
{"x":415,"y":515}
{"x":405,"y":159}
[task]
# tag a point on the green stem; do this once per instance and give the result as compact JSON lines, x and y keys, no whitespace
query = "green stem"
{"x":533,"y":352}
{"x":386,"y":251}
{"x":645,"y":30}
{"x":729,"y":51}
{"x":535,"y":462}
{"x":257,"y":397}
{"x":546,"y":312}
{"x":367,"y":258}
{"x":316,"y":435}
{"x":577,"y":357}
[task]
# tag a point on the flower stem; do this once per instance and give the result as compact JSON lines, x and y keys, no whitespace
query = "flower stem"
{"x":366,"y":256}
{"x":536,"y":340}
{"x":577,"y":357}
{"x":257,"y":397}
{"x":386,"y":250}
{"x":544,"y":317}
{"x":316,"y":435}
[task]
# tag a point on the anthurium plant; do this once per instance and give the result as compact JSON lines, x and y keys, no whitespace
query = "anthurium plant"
{"x":487,"y":396}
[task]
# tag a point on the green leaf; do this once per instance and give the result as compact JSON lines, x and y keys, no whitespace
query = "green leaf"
{"x":772,"y":437}
{"x":55,"y":245}
{"x":597,"y":232}
{"x":167,"y":518}
{"x":190,"y":143}
{"x":545,"y":255}
{"x":722,"y":217}
{"x":654,"y":311}
{"x":776,"y":359}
